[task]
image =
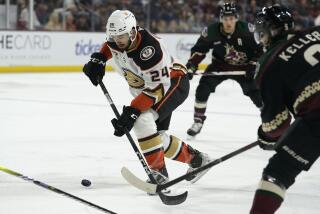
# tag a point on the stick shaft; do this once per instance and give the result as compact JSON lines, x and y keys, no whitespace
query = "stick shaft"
{"x":207,"y":166}
{"x":134,"y":146}
{"x":54,"y":189}
{"x":222,"y":73}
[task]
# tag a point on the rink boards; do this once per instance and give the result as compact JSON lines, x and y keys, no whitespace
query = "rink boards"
{"x":36,"y":51}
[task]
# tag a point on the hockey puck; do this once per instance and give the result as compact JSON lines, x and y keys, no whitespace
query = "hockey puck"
{"x":86,"y":182}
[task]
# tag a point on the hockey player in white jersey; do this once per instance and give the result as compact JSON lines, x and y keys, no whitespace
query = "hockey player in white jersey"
{"x":158,"y":84}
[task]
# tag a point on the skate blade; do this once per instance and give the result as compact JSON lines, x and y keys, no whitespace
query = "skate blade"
{"x":199,"y":175}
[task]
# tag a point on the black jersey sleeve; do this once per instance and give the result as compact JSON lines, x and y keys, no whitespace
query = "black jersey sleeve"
{"x":201,"y":48}
{"x":274,"y":114}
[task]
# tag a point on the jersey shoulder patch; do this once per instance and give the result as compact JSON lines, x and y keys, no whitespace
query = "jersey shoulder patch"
{"x":204,"y":32}
{"x":149,"y":52}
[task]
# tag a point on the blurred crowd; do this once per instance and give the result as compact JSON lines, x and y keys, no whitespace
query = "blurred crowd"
{"x":170,"y":16}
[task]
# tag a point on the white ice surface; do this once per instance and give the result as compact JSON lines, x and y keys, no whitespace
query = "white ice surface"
{"x":56,"y":128}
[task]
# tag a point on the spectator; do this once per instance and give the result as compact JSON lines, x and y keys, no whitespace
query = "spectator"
{"x":23,"y":17}
{"x":70,"y":26}
{"x":165,"y":15}
{"x":82,"y":21}
{"x":42,"y":12}
{"x":55,"y":22}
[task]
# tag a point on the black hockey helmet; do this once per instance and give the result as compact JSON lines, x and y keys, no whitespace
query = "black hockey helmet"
{"x":272,"y":23}
{"x":228,"y":9}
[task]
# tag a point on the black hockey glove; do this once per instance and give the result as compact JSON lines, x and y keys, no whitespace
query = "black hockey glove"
{"x":95,"y":68}
{"x":126,"y":120}
{"x":191,"y":69}
{"x":265,"y":143}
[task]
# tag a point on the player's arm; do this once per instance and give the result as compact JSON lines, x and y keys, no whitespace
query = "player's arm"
{"x":157,"y":84}
{"x":256,"y":51}
{"x":105,"y":50}
{"x":275,"y":115}
{"x":95,"y":68}
{"x":199,"y":51}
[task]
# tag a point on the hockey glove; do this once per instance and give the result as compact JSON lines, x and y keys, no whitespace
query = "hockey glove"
{"x":95,"y":68}
{"x":126,"y":120}
{"x":191,"y":69}
{"x":265,"y":142}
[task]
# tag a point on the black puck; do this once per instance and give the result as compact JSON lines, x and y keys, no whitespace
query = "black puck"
{"x":86,"y":182}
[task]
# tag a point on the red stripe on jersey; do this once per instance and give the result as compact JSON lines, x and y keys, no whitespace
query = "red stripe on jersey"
{"x":168,"y":95}
{"x":176,"y":73}
{"x":142,"y":102}
{"x":106,"y":51}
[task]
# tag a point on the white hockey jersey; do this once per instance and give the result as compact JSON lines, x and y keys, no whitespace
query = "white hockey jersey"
{"x":148,"y":68}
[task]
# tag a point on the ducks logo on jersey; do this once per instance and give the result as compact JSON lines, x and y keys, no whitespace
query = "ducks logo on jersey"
{"x":133,"y":80}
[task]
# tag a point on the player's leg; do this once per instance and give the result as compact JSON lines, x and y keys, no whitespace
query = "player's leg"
{"x":207,"y":85}
{"x":146,"y":128}
{"x":151,"y":145}
{"x":250,"y":89}
{"x":178,"y":150}
{"x":297,"y":150}
{"x":175,"y":148}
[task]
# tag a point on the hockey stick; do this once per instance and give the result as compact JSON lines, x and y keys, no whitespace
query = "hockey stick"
{"x":53,"y":189}
{"x":166,"y":199}
{"x":222,"y":73}
{"x":154,"y":188}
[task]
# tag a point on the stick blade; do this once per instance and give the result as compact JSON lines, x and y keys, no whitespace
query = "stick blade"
{"x":152,"y":188}
{"x":173,"y":199}
{"x":137,"y":182}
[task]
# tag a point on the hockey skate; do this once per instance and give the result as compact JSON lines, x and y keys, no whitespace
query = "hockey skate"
{"x":161,"y":177}
{"x":200,"y":159}
{"x":195,"y":128}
